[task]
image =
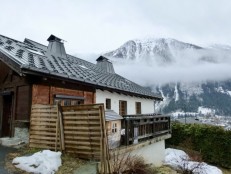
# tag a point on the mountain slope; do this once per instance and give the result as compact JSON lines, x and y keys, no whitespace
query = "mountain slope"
{"x":170,"y":55}
{"x":189,"y":97}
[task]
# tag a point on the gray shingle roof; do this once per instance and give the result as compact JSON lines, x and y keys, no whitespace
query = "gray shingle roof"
{"x":111,"y":115}
{"x":32,"y":56}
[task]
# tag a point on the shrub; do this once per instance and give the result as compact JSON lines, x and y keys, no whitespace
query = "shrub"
{"x":213,"y":142}
{"x":129,"y":164}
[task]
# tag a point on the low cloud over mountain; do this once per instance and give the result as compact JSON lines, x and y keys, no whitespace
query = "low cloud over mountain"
{"x":155,"y":61}
{"x":186,"y":75}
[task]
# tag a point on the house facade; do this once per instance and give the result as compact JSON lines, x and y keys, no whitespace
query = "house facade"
{"x":32,"y":73}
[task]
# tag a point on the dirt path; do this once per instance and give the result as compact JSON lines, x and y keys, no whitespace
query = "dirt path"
{"x":3,"y":152}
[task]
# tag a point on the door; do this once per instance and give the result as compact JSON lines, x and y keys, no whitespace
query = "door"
{"x":6,"y":116}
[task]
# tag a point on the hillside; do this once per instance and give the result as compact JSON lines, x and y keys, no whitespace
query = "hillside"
{"x":188,"y":76}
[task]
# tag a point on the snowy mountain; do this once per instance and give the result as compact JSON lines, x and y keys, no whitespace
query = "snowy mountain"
{"x":151,"y":48}
{"x":165,"y":51}
{"x":194,"y":76}
{"x":191,"y":97}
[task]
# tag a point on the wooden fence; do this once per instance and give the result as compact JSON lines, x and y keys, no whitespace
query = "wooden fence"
{"x":79,"y":130}
{"x":43,"y":126}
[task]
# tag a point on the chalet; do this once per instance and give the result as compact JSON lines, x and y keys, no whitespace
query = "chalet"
{"x":32,"y":73}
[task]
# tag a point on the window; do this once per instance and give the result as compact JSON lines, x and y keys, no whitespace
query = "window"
{"x":65,"y":100}
{"x":138,"y":107}
{"x":122,"y":107}
{"x":108,"y":103}
{"x":76,"y":102}
{"x":114,"y":128}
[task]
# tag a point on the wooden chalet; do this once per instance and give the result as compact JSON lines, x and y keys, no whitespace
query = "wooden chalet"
{"x":32,"y":73}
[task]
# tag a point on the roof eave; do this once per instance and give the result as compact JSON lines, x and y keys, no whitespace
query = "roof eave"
{"x":28,"y":70}
{"x":9,"y":61}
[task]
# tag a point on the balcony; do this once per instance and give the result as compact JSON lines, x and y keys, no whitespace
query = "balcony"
{"x":143,"y":127}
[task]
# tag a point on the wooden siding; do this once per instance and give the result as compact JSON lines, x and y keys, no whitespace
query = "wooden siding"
{"x":83,"y":128}
{"x":23,"y":103}
{"x":18,"y":88}
{"x":42,"y":94}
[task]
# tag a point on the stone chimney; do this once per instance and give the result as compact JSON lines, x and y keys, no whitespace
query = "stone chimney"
{"x":56,"y":46}
{"x":105,"y":64}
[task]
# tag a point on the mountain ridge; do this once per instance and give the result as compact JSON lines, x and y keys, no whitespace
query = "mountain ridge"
{"x":171,"y":54}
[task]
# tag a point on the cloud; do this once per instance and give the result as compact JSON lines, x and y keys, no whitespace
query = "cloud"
{"x":98,"y":26}
{"x":187,"y":67}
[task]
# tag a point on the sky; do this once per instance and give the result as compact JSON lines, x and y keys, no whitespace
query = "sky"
{"x":95,"y":27}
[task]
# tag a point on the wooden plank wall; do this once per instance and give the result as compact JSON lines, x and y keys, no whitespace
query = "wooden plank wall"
{"x":82,"y":130}
{"x":83,"y":127}
{"x":43,"y":123}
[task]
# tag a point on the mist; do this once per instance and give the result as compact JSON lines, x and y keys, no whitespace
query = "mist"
{"x":185,"y":66}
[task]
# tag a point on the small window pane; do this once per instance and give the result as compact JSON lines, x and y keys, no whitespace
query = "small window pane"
{"x":67,"y":102}
{"x":138,"y":107}
{"x":108,"y":103}
{"x":122,"y":107}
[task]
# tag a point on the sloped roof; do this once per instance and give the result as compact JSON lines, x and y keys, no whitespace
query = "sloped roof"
{"x":30,"y":56}
{"x":111,"y":115}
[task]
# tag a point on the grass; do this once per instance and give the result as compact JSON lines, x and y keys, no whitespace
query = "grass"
{"x":69,"y":163}
{"x":225,"y":171}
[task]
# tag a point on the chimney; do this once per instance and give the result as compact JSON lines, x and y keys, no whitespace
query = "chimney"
{"x":56,"y":46}
{"x":105,"y":64}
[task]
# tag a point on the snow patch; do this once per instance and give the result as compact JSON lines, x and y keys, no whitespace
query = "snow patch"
{"x":181,"y":113}
{"x":205,"y":111}
{"x":82,"y":66}
{"x":35,"y":52}
{"x":43,"y":162}
{"x":229,"y":92}
{"x":192,"y":88}
{"x":176,"y":93}
{"x":221,"y":90}
{"x":163,"y":103}
{"x":11,"y":142}
{"x":179,"y":159}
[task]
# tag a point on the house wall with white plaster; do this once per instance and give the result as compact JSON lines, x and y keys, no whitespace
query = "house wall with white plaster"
{"x":113,"y":137}
{"x":153,"y":153}
{"x":147,"y":105}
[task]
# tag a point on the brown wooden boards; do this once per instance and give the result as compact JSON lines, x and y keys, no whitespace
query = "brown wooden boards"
{"x":78,"y":130}
{"x":82,"y":130}
{"x":43,"y":126}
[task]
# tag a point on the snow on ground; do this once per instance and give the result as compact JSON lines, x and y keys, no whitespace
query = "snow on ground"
{"x":205,"y":111}
{"x":11,"y":142}
{"x":162,"y":104}
{"x":43,"y":162}
{"x":179,"y":159}
{"x":229,"y":92}
{"x":181,"y":113}
{"x":221,"y":90}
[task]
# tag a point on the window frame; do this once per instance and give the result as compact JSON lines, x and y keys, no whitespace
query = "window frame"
{"x":65,"y":100}
{"x":122,"y":107}
{"x":138,"y":107}
{"x":108,"y":103}
{"x":114,"y":128}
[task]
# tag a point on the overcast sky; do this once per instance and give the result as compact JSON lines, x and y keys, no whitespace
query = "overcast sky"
{"x":97,"y":26}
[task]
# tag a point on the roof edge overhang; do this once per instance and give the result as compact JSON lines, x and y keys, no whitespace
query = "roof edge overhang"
{"x":26,"y":70}
{"x":9,"y":61}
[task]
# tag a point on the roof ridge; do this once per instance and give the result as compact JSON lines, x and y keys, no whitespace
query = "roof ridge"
{"x":35,"y":42}
{"x":51,"y":65}
{"x":12,"y":39}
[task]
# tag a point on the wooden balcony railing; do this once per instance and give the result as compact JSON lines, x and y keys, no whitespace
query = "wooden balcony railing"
{"x":145,"y":126}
